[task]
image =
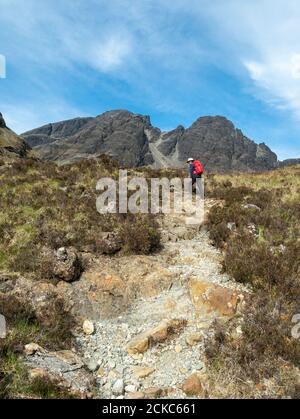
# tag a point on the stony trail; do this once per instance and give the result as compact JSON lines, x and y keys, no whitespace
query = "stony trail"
{"x":194,"y":265}
{"x":151,"y":315}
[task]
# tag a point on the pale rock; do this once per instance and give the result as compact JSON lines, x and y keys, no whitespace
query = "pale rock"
{"x":142,"y":372}
{"x":130,"y":389}
{"x":118,"y":387}
{"x":88,"y":327}
{"x":178,"y":349}
{"x":193,"y":339}
{"x":33,"y":348}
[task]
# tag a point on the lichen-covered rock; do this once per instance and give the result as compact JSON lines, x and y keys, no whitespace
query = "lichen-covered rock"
{"x":67,"y":266}
{"x":110,"y":243}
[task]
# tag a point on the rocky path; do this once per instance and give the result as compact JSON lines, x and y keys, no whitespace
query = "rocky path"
{"x":159,"y":341}
{"x":155,"y":344}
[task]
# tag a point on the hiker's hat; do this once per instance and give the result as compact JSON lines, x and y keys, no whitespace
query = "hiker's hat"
{"x":190,"y":160}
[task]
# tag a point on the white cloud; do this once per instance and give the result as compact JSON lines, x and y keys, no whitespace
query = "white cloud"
{"x":277,"y":78}
{"x":110,"y":54}
{"x":263,"y":37}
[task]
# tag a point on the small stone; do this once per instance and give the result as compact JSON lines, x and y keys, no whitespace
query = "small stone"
{"x":135,"y":396}
{"x":111,"y":365}
{"x":120,"y":369}
{"x":130,"y":389}
{"x":178,"y":349}
{"x":88,"y":327}
{"x":92,"y":366}
{"x":118,"y":388}
{"x":192,"y":340}
{"x":152,"y":392}
{"x":112,"y":376}
{"x":138,"y":345}
{"x":192,"y":386}
{"x":101,"y":372}
{"x":231,"y":226}
{"x":142,"y":372}
{"x":251,"y":206}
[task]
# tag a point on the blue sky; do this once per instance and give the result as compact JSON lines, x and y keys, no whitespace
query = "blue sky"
{"x":173,"y":60}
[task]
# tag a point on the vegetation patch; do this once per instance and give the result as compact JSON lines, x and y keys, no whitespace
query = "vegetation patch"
{"x":256,"y":224}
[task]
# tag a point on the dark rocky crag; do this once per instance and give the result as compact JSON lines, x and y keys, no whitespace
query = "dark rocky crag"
{"x":134,"y":142}
{"x":12,"y":145}
{"x":119,"y":134}
{"x":219,"y":145}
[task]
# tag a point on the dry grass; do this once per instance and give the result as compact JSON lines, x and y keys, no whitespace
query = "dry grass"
{"x":261,"y":248}
{"x":44,"y":206}
{"x":51,"y":328}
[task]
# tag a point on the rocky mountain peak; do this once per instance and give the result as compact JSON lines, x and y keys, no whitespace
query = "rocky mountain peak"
{"x":134,"y":141}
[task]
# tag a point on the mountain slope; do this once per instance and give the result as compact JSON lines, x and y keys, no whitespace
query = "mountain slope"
{"x":11,"y":145}
{"x":132,"y":140}
{"x":289,"y":162}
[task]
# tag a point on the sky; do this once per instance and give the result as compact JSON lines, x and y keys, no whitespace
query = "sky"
{"x":173,"y":60}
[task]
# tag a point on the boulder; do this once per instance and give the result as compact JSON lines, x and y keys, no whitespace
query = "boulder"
{"x":212,"y":297}
{"x":110,"y":243}
{"x":67,"y":266}
{"x":192,"y":386}
{"x":157,"y":334}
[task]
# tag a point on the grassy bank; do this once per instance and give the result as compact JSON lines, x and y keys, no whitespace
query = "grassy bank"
{"x":256,"y":223}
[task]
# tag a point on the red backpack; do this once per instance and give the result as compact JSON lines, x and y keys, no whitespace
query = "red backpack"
{"x":199,"y":170}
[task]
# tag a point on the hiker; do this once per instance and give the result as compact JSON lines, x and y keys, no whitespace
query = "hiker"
{"x":195,"y":169}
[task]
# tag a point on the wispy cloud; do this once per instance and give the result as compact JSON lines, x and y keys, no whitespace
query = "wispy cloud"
{"x":110,"y":54}
{"x":174,"y":59}
{"x":263,"y":37}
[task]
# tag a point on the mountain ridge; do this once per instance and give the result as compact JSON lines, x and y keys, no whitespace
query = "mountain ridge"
{"x":132,"y":140}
